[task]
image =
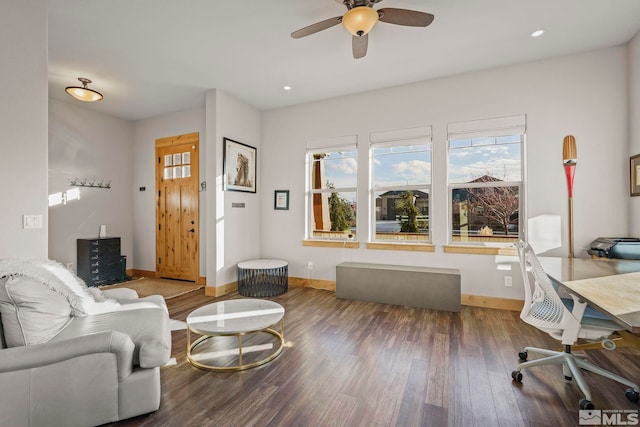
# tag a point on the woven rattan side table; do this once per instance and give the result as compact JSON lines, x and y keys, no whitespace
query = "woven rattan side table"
{"x":260,"y":278}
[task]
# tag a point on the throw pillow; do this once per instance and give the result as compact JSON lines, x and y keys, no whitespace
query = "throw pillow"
{"x":56,"y":277}
{"x":31,"y":312}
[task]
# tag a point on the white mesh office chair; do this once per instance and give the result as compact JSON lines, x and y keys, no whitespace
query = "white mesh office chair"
{"x":544,"y":309}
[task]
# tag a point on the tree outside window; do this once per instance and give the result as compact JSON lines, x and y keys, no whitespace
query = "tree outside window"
{"x":332,"y":194}
{"x":341,"y":213}
{"x":485,"y":205}
{"x":401,"y":185}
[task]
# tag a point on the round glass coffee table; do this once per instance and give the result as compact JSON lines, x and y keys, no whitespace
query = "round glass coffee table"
{"x":236,"y":317}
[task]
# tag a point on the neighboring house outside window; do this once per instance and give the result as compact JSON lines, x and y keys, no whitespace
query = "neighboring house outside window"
{"x":486,"y":190}
{"x":401,"y":185}
{"x":332,"y":189}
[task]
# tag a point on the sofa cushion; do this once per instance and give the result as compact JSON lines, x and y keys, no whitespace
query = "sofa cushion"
{"x":31,"y":312}
{"x":145,"y":321}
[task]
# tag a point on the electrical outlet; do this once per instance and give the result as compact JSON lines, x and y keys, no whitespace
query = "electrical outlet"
{"x":310,"y":265}
{"x":508,"y":282}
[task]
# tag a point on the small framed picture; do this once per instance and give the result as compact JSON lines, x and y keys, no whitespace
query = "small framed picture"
{"x":281,"y":200}
{"x":635,"y":175}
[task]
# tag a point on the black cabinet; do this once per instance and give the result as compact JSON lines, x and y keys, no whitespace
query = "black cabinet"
{"x":99,"y":261}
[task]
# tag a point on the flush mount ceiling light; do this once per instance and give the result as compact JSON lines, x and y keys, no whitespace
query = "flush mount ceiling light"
{"x":360,"y":20}
{"x":84,"y":93}
{"x":537,"y":33}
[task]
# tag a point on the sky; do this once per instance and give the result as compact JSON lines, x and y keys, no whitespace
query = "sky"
{"x":411,"y":165}
{"x":502,"y":161}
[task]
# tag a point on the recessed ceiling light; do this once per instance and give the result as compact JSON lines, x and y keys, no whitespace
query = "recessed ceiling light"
{"x":537,"y":33}
{"x":286,"y":87}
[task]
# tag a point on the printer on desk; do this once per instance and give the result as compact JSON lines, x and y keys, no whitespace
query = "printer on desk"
{"x":616,"y":247}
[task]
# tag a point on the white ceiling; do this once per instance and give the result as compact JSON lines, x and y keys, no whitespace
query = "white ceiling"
{"x":150,"y":57}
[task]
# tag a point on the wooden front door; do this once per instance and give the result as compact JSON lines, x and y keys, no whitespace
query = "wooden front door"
{"x":177,"y":207}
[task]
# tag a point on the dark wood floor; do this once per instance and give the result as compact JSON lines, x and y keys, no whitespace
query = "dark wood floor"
{"x":349,"y":363}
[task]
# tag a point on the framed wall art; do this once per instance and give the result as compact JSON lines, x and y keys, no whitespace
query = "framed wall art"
{"x":635,"y":175}
{"x":281,"y":200}
{"x":239,"y":163}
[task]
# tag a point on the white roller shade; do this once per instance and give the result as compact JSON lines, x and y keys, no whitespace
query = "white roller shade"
{"x":411,"y":136}
{"x":499,"y":126}
{"x":340,"y":143}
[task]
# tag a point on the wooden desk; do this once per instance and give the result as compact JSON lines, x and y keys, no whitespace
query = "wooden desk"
{"x":612,"y":286}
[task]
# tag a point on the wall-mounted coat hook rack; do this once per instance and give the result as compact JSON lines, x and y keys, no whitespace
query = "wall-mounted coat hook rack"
{"x":86,"y":182}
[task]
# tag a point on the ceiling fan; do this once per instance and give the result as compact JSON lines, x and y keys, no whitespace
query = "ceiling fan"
{"x":360,"y":19}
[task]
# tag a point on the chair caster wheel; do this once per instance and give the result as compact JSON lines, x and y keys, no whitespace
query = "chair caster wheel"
{"x":586,"y":404}
{"x":517,"y":376}
{"x":632,"y":395}
{"x":523,"y":355}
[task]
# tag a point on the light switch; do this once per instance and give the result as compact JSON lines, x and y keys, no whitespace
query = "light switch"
{"x":32,"y":221}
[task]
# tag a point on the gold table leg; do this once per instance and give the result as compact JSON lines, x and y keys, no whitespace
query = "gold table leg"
{"x":240,"y":366}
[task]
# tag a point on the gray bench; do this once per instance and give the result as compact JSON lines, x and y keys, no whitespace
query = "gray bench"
{"x":422,"y":287}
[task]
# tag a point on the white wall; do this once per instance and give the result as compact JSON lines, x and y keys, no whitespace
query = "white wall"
{"x":23,"y":120}
{"x":584,"y":95}
{"x":234,"y":233}
{"x":144,"y":202}
{"x":85,"y":144}
{"x":634,"y":124}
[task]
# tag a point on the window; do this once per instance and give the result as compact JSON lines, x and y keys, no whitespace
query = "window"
{"x":177,"y":166}
{"x":400,"y":185}
{"x":332,"y":190}
{"x":485,"y":180}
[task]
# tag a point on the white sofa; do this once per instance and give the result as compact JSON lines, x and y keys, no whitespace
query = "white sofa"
{"x":69,"y":362}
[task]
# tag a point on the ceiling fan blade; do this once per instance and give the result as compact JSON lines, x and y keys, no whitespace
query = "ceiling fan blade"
{"x":411,"y":18}
{"x":318,"y":26}
{"x":359,"y":45}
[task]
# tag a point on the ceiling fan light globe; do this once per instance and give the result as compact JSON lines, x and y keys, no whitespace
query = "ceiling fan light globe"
{"x":360,"y":20}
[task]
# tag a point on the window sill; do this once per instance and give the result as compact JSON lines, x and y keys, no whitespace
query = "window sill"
{"x":412,"y":247}
{"x":332,"y":244}
{"x":480,"y":250}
